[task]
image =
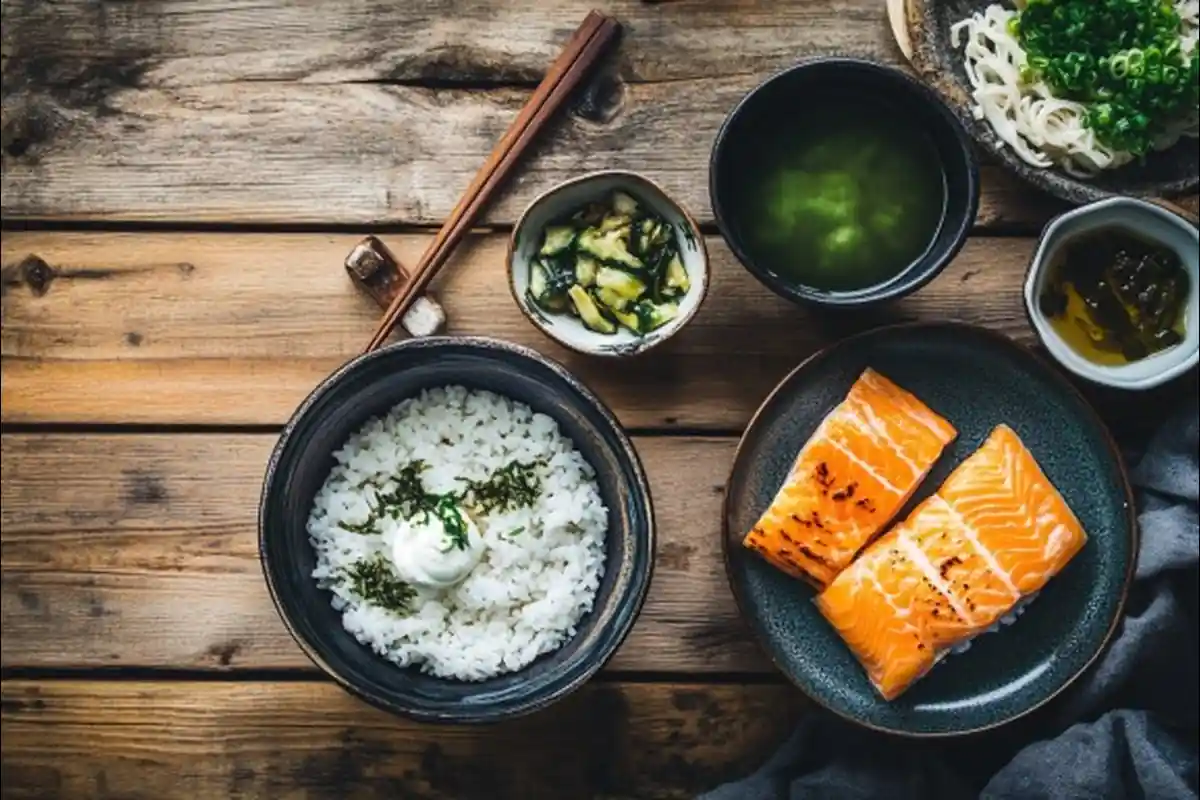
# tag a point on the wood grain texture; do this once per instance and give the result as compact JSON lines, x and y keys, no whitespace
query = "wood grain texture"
{"x":238,"y":328}
{"x":381,"y":112}
{"x":472,"y":42}
{"x":210,"y":741}
{"x":106,"y":538}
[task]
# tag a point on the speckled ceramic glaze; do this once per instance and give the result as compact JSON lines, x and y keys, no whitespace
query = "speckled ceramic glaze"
{"x":1171,"y":173}
{"x":371,"y":384}
{"x":976,"y":380}
{"x":564,"y":200}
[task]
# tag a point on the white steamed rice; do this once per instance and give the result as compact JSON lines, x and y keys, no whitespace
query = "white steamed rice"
{"x":530,"y":590}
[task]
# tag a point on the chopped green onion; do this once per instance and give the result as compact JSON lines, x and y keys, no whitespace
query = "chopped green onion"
{"x":1101,"y":115}
{"x":1121,"y":58}
{"x":1136,"y":62}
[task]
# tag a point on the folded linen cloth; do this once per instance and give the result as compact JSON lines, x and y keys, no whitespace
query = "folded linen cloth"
{"x":1126,"y":729}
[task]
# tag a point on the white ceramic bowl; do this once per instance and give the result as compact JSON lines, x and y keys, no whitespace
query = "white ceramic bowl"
{"x":565,"y":199}
{"x":1148,"y":221}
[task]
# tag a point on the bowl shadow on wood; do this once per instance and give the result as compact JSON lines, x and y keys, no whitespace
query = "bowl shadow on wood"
{"x":1170,"y":173}
{"x":608,"y":740}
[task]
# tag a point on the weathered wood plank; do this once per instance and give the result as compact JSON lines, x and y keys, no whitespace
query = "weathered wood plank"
{"x":268,"y":113}
{"x":190,"y":328}
{"x":106,"y":537}
{"x":160,"y":740}
{"x":474,"y":42}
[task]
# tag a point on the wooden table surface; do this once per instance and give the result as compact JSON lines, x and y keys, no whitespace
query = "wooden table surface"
{"x":181,"y":183}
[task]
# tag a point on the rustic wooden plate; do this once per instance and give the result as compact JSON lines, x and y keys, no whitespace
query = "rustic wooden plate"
{"x":1171,"y":173}
{"x":976,"y":379}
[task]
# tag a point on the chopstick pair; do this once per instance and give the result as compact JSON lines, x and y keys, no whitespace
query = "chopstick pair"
{"x":585,"y":47}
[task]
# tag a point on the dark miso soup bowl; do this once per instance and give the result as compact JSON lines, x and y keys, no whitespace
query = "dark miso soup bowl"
{"x":370,"y":385}
{"x":803,"y":86}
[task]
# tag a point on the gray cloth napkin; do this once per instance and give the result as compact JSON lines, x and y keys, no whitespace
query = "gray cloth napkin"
{"x":1126,"y":729}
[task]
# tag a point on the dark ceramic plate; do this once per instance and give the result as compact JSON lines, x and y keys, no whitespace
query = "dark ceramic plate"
{"x":1170,"y":173}
{"x":976,"y":380}
{"x":373,"y":383}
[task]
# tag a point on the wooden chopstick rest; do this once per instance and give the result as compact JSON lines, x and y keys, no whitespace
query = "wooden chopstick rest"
{"x":378,"y":272}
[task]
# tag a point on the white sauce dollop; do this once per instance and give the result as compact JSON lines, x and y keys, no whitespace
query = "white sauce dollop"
{"x":425,"y":555}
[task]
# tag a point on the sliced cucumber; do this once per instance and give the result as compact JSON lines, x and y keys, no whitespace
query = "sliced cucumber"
{"x":619,"y":282}
{"x":613,"y":300}
{"x":616,"y":222}
{"x":585,"y":271}
{"x":607,"y":247}
{"x":624,"y":204}
{"x":628,"y":319}
{"x":537,"y":279}
{"x":589,"y":312}
{"x":542,"y":288}
{"x":652,"y":316}
{"x":558,"y":238}
{"x":676,"y":276}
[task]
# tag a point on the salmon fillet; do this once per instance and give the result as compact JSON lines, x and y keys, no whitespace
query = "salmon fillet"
{"x":851,"y":477}
{"x":996,"y":531}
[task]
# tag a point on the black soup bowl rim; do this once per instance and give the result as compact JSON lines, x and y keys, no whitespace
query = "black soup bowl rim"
{"x":925,"y":267}
{"x":586,"y":663}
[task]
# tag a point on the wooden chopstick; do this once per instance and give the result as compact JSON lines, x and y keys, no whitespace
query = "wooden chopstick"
{"x":565,"y":74}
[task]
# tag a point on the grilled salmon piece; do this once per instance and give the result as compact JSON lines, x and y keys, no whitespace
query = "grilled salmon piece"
{"x":1009,"y":505}
{"x":996,"y":531}
{"x":849,"y":480}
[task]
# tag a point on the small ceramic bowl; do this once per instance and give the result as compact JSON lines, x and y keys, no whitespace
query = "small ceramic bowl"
{"x":373,"y":383}
{"x":1148,"y":221}
{"x":564,"y":200}
{"x":873,"y":85}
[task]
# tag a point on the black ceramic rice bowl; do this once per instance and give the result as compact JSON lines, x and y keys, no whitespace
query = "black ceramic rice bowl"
{"x":371,"y":385}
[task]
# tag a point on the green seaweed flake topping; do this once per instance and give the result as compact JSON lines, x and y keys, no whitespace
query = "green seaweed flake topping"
{"x":373,"y":580}
{"x":515,"y":485}
{"x":453,"y":522}
{"x":408,"y":497}
{"x":362,"y":528}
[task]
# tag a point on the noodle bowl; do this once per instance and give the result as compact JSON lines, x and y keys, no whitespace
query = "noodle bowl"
{"x":1042,"y":129}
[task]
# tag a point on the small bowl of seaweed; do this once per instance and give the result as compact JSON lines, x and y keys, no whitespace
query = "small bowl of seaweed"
{"x":1113,"y":292}
{"x":841,"y":183}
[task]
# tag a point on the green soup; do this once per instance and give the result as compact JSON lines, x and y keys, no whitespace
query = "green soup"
{"x":840,"y":199}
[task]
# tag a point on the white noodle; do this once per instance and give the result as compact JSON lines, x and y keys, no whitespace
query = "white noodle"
{"x":1042,"y":129}
{"x":1189,"y":12}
